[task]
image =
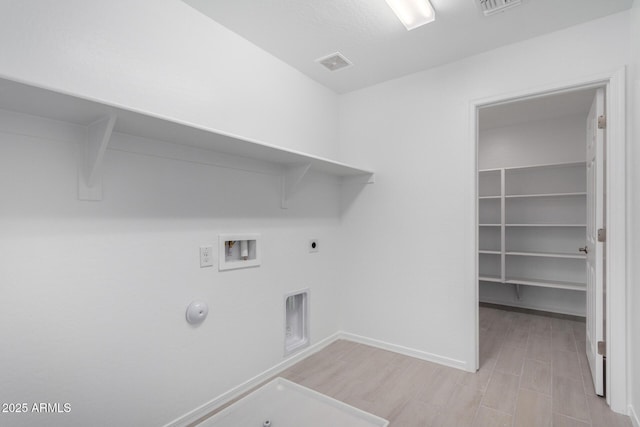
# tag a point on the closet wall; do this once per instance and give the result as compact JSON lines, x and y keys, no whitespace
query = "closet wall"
{"x":532,"y":213}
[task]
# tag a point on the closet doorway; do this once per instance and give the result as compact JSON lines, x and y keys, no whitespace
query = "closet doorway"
{"x":541,"y":217}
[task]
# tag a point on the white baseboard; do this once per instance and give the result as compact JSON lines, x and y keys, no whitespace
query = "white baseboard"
{"x":531,"y":306}
{"x":418,"y":354}
{"x":275,"y":370}
{"x":634,"y":417}
{"x":228,"y":396}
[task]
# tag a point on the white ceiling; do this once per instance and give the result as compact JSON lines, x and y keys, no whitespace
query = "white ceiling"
{"x":574,"y":103}
{"x":369,"y":34}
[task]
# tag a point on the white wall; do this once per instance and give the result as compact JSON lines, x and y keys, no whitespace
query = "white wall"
{"x":412,"y":256}
{"x":166,"y":58}
{"x":407,"y":274}
{"x":97,"y":319}
{"x":94,"y":293}
{"x":634,"y":191}
{"x":533,"y":143}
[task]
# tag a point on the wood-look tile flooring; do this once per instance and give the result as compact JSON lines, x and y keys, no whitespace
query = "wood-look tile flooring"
{"x":533,"y":373}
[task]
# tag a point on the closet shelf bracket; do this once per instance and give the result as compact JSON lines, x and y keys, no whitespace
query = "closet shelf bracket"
{"x":517,"y":288}
{"x":91,"y":157}
{"x":290,"y":180}
{"x":365,"y":178}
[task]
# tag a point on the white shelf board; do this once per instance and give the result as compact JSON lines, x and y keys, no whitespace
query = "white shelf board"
{"x":489,"y":197}
{"x":556,"y":284}
{"x":495,"y":279}
{"x":546,"y":166}
{"x":489,"y":225}
{"x":547,"y":254}
{"x":522,"y":196}
{"x":545,"y":225}
{"x":69,"y":108}
{"x":537,"y":166}
{"x":488,"y":252}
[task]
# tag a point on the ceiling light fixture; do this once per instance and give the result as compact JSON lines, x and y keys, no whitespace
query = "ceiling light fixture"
{"x":413,"y":13}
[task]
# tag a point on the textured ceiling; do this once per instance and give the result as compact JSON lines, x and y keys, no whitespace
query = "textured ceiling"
{"x":369,"y":34}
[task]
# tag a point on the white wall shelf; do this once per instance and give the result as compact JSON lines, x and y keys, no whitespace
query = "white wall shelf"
{"x":548,"y":255}
{"x":537,"y":167}
{"x":530,"y":232}
{"x":545,"y":225}
{"x":556,"y":284}
{"x":495,"y":279}
{"x":520,"y":196}
{"x":165,"y":137}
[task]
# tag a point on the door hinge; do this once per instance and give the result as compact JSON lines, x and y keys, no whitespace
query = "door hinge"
{"x":602,"y":122}
{"x":602,"y":234}
{"x":602,"y":348}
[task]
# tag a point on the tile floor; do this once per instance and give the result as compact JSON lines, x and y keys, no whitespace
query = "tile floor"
{"x":533,"y":373}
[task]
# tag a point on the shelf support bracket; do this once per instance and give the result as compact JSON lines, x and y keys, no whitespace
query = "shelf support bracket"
{"x":365,"y":178}
{"x":290,"y":180}
{"x":91,"y":157}
{"x":517,"y":286}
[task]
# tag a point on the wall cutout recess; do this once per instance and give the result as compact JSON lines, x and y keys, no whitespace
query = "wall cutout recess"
{"x":239,"y":251}
{"x":296,"y":327}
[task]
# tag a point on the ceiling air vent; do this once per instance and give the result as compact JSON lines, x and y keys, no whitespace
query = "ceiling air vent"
{"x":334,"y":62}
{"x":490,"y":7}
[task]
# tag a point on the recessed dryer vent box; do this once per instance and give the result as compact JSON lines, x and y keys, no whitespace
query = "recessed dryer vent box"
{"x":296,"y":321}
{"x":238,"y":251}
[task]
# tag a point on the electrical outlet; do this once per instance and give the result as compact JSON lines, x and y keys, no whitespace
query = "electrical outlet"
{"x":314,"y":245}
{"x":206,"y":256}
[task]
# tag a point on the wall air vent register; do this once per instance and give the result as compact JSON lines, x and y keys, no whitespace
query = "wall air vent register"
{"x":491,"y":7}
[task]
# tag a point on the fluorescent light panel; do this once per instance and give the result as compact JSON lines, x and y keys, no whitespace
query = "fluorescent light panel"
{"x":413,"y":13}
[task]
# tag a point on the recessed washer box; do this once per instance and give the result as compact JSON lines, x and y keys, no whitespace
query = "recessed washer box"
{"x":238,"y":251}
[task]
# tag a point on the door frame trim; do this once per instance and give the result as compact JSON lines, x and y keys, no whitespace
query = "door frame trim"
{"x":616,"y":327}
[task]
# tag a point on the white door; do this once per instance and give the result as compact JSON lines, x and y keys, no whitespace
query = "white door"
{"x":595,"y":249}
